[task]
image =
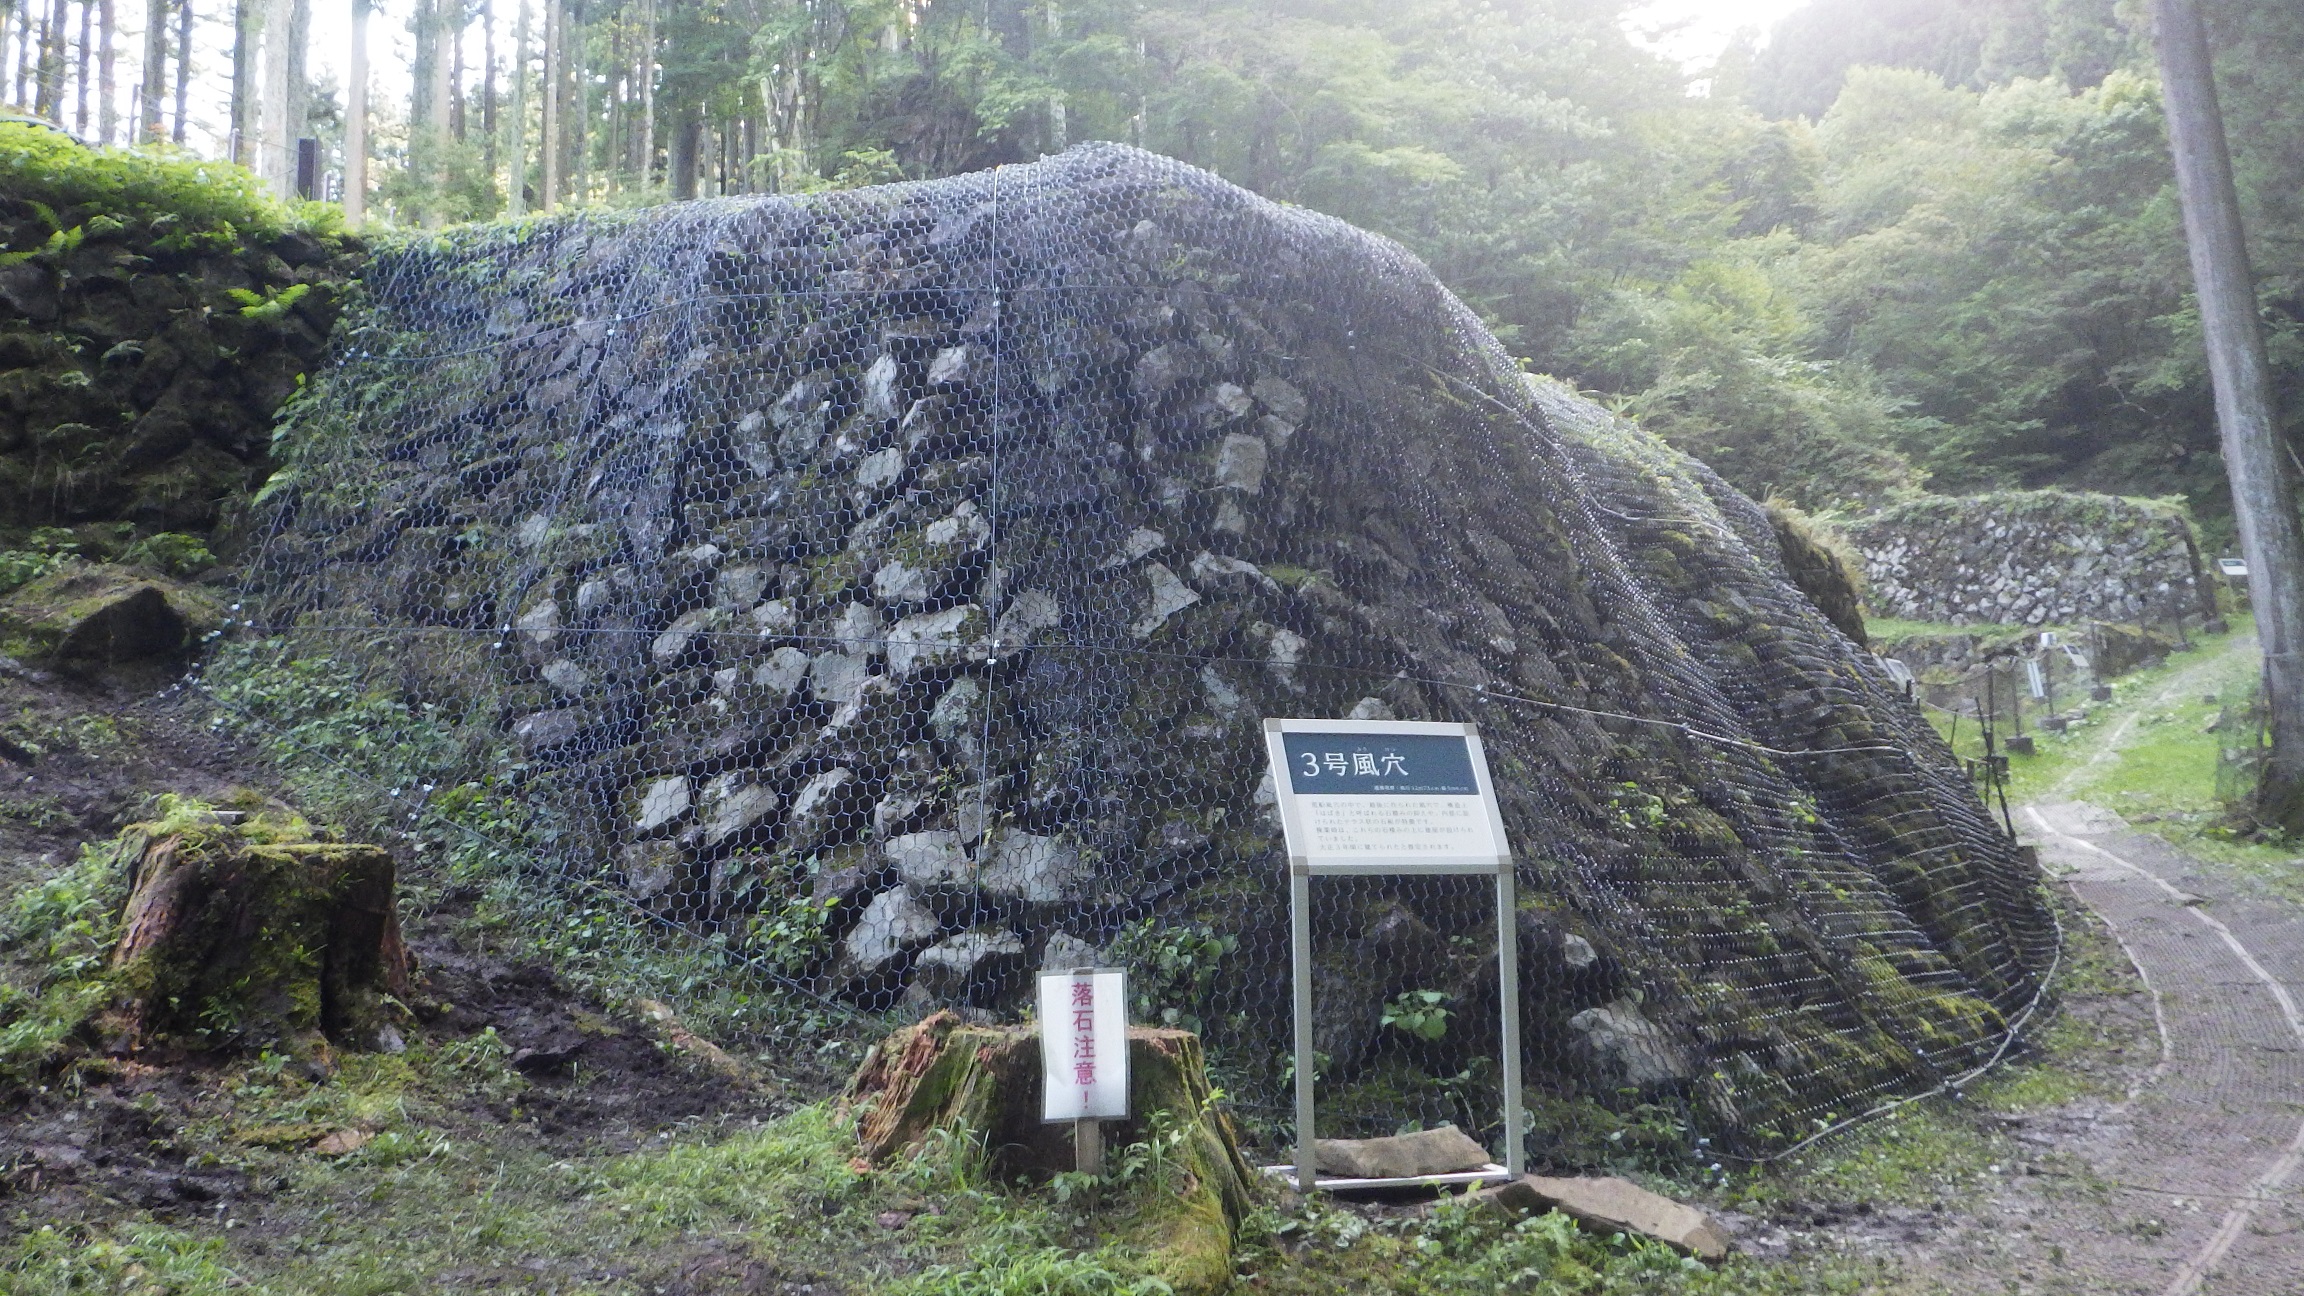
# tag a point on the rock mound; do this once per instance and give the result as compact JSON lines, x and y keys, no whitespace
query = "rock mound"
{"x":891,"y":584}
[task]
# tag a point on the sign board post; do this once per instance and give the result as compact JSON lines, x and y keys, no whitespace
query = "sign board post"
{"x":1361,"y":798}
{"x":1084,"y":1056}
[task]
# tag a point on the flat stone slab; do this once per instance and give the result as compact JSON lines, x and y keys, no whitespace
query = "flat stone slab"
{"x":1615,"y":1205}
{"x":1445,"y":1150}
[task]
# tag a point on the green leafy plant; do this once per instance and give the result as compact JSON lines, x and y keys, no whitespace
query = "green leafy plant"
{"x":1175,"y":970}
{"x":269,"y":307}
{"x":1421,"y":1013}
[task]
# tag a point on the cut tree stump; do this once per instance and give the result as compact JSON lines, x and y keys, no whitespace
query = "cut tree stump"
{"x":982,"y":1083}
{"x":244,"y":932}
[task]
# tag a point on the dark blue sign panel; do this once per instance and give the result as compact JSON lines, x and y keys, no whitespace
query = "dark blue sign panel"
{"x":1348,"y":764}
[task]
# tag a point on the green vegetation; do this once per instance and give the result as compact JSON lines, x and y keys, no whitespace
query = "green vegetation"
{"x":187,"y":203}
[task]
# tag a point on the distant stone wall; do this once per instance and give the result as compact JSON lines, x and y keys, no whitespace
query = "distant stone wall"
{"x":2031,"y":558}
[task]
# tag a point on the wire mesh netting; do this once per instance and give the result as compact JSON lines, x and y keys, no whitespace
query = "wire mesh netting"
{"x":887,"y":587}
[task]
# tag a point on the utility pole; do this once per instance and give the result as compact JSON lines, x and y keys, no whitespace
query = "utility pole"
{"x":2263,"y":493}
{"x":356,"y":120}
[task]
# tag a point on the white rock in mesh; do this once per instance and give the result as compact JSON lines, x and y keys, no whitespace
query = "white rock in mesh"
{"x":1170,"y":595}
{"x":936,"y":639}
{"x":665,"y":803}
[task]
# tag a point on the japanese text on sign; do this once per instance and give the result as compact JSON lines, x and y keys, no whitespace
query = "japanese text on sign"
{"x":1084,"y":1044}
{"x":1363,"y":793}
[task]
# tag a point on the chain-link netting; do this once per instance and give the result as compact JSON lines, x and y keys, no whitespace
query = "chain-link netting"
{"x":888,"y":587}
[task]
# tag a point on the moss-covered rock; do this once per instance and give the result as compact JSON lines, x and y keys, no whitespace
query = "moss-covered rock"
{"x":155,"y":313}
{"x":96,"y":614}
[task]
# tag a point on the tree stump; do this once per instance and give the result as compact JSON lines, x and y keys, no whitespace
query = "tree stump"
{"x":983,"y":1082}
{"x":252,"y":934}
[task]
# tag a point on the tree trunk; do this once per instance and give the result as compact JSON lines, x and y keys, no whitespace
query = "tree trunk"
{"x":516,"y":168}
{"x":647,"y":142}
{"x":108,"y":104}
{"x":247,"y":35}
{"x":687,"y":134}
{"x":982,"y":1083}
{"x":2263,"y":493}
{"x":488,"y":87}
{"x":80,"y":71}
{"x":356,"y":120}
{"x":152,"y":93}
{"x":183,"y":70}
{"x":255,"y":936}
{"x":50,"y":101}
{"x":549,"y":150}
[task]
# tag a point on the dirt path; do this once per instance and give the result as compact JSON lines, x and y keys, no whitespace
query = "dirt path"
{"x":2197,"y":1186}
{"x":2191,"y":1185}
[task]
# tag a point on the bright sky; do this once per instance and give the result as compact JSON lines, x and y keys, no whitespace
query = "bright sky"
{"x":1695,"y":31}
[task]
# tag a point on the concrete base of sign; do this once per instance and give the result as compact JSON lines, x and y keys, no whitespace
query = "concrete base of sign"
{"x":1487,"y":1174}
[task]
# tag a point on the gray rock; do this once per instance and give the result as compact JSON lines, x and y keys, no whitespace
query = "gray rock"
{"x":859,"y":629}
{"x":931,"y":864}
{"x":781,"y":673}
{"x":880,"y":469}
{"x":775,"y":617}
{"x":1231,"y":398}
{"x":898,"y":582}
{"x":1025,"y":620}
{"x":736,"y":589}
{"x":1281,"y":397}
{"x":672,"y":645}
{"x":547,"y":731}
{"x":975,"y":967}
{"x":935,"y":640}
{"x":566,"y":676}
{"x":540,"y":625}
{"x":1444,"y":1150}
{"x":1066,"y":952}
{"x":661,"y":806}
{"x":1029,"y":869}
{"x":880,"y":399}
{"x":650,"y":868}
{"x":834,"y":677}
{"x":1240,"y":464}
{"x":952,"y":367}
{"x":733,"y":806}
{"x":1638,"y":1051}
{"x":1170,"y":595}
{"x":819,"y":812}
{"x":892,"y":926}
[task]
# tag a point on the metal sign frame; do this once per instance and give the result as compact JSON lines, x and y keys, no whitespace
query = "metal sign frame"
{"x":1303,"y":867}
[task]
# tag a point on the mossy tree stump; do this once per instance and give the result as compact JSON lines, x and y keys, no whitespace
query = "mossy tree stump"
{"x":253,"y":934}
{"x":983,"y":1083}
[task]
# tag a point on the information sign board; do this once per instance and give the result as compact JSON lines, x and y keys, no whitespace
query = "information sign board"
{"x":1084,"y":1045}
{"x":1385,"y":796}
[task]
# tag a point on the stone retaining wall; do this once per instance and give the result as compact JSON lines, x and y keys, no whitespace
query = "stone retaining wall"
{"x":2032,"y":558}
